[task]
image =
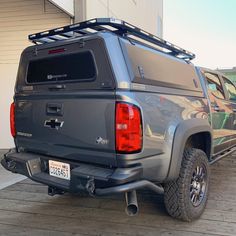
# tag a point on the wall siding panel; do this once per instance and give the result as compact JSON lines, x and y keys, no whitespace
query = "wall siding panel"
{"x":18,"y":19}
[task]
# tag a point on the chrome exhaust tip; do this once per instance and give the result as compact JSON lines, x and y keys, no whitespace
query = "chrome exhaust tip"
{"x":132,"y":204}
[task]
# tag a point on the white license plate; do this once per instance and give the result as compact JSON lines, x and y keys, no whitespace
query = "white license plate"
{"x":59,"y":169}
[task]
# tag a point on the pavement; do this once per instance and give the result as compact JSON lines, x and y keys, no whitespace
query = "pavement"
{"x":7,"y":178}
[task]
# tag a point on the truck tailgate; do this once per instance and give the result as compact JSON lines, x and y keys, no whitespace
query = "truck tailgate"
{"x":78,"y":127}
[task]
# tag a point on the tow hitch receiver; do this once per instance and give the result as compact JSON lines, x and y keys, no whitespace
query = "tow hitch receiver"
{"x":54,"y":191}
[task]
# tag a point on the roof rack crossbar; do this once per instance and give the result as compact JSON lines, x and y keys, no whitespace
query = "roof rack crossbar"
{"x":118,"y":27}
{"x":82,"y":32}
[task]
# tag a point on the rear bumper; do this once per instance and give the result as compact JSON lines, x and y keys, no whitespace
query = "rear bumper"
{"x":90,"y":178}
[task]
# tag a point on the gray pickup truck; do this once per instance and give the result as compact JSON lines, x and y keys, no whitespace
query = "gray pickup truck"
{"x":104,"y":107}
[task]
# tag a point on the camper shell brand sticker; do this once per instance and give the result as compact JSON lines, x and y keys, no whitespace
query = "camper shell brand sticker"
{"x":50,"y":77}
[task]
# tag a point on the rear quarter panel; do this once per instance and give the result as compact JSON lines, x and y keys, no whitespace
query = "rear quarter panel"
{"x":161,"y":114}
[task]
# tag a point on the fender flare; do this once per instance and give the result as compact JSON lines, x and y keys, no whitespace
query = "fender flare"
{"x":183,"y":131}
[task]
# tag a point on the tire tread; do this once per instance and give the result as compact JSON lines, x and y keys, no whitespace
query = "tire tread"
{"x":175,"y":198}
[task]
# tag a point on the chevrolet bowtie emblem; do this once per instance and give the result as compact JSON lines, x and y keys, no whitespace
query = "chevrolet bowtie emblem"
{"x":53,"y":123}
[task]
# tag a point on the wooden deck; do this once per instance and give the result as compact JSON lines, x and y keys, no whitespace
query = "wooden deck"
{"x":26,"y":209}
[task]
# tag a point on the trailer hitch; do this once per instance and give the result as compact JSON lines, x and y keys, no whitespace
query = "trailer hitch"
{"x":55,"y":191}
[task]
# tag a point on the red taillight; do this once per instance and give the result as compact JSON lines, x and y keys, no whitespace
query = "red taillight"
{"x":12,"y":120}
{"x":128,"y":128}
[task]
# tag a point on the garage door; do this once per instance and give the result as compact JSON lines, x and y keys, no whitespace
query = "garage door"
{"x":18,"y":18}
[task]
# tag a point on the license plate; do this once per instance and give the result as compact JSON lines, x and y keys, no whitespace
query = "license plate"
{"x":59,"y":169}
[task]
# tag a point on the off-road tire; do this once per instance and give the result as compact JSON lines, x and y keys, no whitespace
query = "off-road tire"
{"x":177,"y":196}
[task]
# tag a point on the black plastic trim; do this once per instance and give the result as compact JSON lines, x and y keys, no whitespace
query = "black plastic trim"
{"x":182,"y":133}
{"x":30,"y":165}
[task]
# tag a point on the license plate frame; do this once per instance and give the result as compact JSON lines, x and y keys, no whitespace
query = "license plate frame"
{"x":59,"y":169}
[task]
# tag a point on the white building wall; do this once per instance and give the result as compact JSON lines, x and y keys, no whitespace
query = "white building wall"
{"x":65,"y":5}
{"x":18,"y":18}
{"x":146,"y":14}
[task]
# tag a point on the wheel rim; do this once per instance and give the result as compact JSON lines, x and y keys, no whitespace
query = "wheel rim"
{"x":198,"y":185}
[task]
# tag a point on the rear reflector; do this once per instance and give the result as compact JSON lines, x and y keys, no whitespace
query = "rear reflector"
{"x":129,"y":133}
{"x":12,"y":120}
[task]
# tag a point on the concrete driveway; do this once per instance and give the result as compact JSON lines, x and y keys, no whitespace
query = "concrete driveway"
{"x":7,"y":178}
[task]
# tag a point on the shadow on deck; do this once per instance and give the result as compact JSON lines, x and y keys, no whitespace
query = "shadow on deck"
{"x":26,"y":209}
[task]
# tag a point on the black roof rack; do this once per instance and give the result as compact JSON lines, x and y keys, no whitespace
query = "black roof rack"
{"x":116,"y":26}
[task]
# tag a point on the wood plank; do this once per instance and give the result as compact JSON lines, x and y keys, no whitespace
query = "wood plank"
{"x":13,"y":230}
{"x":16,"y":230}
{"x":74,"y":210}
{"x":142,"y":224}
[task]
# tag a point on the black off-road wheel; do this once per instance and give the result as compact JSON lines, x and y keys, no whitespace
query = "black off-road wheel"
{"x":186,"y":197}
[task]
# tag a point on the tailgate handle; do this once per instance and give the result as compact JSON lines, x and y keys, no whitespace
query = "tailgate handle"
{"x":54,"y":109}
